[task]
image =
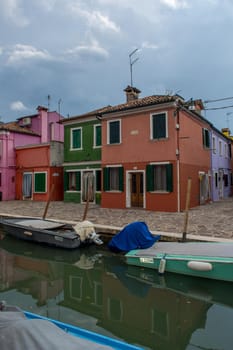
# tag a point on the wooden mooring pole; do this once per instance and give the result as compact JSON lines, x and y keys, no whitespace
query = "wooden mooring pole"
{"x":48,"y":201}
{"x":187,"y":209}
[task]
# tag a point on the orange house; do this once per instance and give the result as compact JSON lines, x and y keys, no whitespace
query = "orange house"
{"x":37,"y":175}
{"x":151,"y":146}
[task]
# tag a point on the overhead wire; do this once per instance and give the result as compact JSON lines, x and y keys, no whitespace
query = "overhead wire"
{"x":219,"y":99}
{"x":215,"y":108}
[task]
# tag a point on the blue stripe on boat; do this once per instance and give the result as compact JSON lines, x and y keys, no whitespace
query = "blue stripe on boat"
{"x":83,"y":333}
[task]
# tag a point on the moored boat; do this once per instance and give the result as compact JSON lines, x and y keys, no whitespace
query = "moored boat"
{"x":25,"y":330}
{"x":48,"y":232}
{"x":201,"y":259}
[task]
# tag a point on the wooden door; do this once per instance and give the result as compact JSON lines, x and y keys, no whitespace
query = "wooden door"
{"x":137,"y":190}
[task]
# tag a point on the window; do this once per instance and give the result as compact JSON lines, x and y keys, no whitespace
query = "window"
{"x":40,"y":182}
{"x":160,"y":322}
{"x":214,"y":144}
{"x":98,"y":293}
{"x":229,"y":150}
{"x":216,"y":179}
{"x":76,"y":287}
{"x":225,"y":150}
{"x":113,"y":178}
{"x":206,"y":138}
{"x":159,"y":126}
{"x":72,"y":181}
{"x":220,"y":148}
{"x":225,"y":179}
{"x":115,"y":309}
{"x":97,"y":136}
{"x":159,"y":177}
{"x":76,"y":138}
{"x":114,"y":132}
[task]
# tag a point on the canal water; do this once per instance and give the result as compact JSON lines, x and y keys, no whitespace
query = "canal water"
{"x":95,"y":289}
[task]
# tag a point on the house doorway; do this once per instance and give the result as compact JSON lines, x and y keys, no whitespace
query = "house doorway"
{"x":136,"y":189}
{"x":220,"y":184}
{"x":88,"y":186}
{"x":204,"y":187}
{"x":27,"y":186}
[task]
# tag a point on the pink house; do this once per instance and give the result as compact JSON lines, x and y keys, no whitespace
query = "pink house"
{"x":41,"y":129}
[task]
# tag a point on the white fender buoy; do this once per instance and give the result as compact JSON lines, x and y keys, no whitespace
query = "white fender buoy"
{"x":200,"y":266}
{"x":162,"y":266}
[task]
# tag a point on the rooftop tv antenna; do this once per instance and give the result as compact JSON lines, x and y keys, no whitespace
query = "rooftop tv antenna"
{"x":131,"y":62}
{"x":49,"y":98}
{"x":227,"y":119}
{"x":59,"y":106}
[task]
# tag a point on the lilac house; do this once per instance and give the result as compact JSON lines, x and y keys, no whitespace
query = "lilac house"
{"x":221,"y":165}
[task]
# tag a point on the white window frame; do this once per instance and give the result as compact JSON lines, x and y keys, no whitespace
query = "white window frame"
{"x":225,"y":150}
{"x":151,"y":125}
{"x":108,"y":131}
{"x":156,"y":164}
{"x":71,"y":139}
{"x":214,"y":144}
{"x":73,"y":172}
{"x":220,"y":148}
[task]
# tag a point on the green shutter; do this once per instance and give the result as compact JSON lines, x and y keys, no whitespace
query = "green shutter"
{"x":149,"y":178}
{"x":106,"y":179}
{"x":76,"y":138}
{"x":66,"y":180}
{"x":207,"y":138}
{"x":121,"y":178}
{"x":40,"y":182}
{"x":98,"y":180}
{"x":114,"y":132}
{"x":78,"y":181}
{"x":98,"y":135}
{"x":159,"y":126}
{"x":169,"y":172}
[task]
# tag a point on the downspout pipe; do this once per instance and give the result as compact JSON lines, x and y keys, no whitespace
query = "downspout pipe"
{"x":177,"y":126}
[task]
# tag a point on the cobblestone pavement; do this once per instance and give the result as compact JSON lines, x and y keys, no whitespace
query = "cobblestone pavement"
{"x":214,"y":219}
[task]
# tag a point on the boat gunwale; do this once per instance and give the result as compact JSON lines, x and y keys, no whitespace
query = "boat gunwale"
{"x":86,"y":334}
{"x":70,"y":235}
{"x":184,"y":257}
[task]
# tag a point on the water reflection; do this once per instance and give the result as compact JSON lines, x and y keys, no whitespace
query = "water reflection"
{"x":96,"y":289}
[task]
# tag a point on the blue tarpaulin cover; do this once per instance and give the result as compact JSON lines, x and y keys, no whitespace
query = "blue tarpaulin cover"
{"x":133,"y":236}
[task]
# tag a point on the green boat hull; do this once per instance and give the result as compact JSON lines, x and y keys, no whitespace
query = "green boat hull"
{"x":214,"y":267}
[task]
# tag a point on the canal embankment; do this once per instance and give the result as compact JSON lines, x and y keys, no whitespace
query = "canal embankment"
{"x":210,"y":222}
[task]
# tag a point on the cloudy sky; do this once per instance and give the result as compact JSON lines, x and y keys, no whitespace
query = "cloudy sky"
{"x":73,"y":55}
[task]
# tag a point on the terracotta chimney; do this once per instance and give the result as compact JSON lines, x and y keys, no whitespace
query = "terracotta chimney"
{"x":226,"y":132}
{"x":131,"y":93}
{"x":42,"y":108}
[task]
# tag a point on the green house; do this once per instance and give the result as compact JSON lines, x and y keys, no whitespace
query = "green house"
{"x":82,"y":159}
